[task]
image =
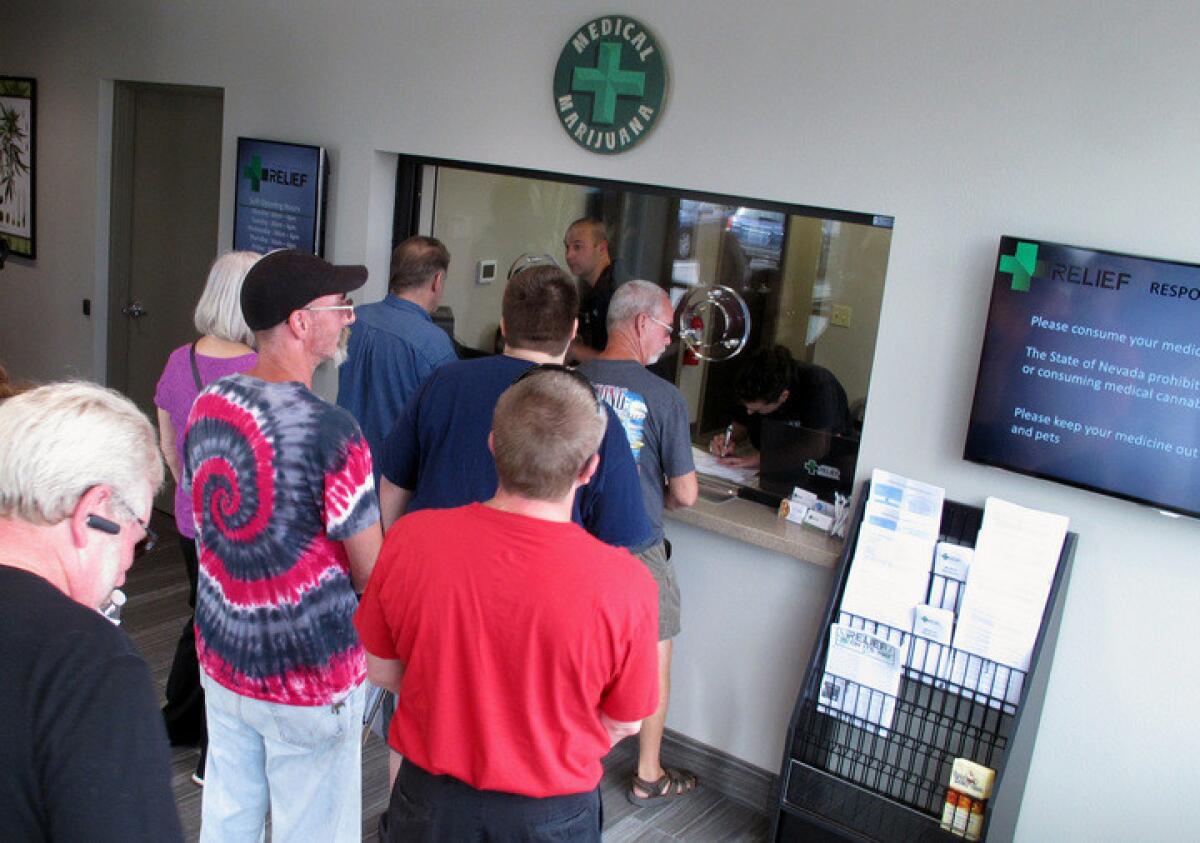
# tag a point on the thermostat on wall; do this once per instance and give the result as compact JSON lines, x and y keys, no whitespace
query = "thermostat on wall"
{"x":485,"y":272}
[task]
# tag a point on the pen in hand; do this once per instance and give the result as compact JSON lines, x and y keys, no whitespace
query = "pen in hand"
{"x":728,"y":437}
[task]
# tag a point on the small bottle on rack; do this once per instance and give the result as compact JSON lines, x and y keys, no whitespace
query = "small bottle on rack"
{"x":975,"y":820}
{"x":970,"y":787}
{"x":949,"y":809}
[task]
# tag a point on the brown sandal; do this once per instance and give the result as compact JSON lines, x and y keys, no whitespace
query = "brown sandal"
{"x":672,"y":783}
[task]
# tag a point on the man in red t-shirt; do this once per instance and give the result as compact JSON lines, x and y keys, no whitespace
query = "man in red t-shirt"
{"x":520,"y":647}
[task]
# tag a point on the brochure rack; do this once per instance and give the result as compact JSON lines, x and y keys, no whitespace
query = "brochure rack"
{"x":845,"y":778}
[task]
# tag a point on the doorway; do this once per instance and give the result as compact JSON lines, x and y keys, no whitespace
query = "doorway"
{"x":166,"y":170}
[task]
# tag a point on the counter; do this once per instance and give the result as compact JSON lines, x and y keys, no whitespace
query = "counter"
{"x":759,"y":525}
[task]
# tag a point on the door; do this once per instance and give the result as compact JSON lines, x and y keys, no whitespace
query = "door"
{"x":163,"y":238}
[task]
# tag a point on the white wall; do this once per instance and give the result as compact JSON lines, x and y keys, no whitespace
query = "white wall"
{"x":1069,"y":121}
{"x":483,"y":216}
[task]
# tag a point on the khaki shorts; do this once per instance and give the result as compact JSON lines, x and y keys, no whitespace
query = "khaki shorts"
{"x":655,"y":559}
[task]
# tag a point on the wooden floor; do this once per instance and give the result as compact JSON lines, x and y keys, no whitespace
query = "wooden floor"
{"x":157,"y":608}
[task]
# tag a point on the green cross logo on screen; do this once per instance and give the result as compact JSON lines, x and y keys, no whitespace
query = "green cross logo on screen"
{"x":253,"y":171}
{"x":610,"y":84}
{"x":1022,"y":265}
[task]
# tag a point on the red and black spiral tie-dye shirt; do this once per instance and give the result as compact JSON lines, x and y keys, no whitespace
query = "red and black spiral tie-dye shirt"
{"x":278,"y":478}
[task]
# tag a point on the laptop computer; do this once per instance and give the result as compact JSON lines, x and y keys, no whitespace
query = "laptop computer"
{"x":815,"y":460}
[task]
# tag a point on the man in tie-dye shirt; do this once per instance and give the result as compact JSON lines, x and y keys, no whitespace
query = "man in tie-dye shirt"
{"x":288,"y":530}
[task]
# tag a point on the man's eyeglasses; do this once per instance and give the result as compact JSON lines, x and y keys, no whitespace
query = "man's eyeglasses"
{"x":347,"y":304}
{"x":112,"y":528}
{"x":670,"y":328}
{"x":149,"y":540}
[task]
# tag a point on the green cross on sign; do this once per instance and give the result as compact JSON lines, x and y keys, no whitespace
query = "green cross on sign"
{"x":607,"y":81}
{"x":253,"y":171}
{"x":1022,"y":265}
{"x":610,"y":84}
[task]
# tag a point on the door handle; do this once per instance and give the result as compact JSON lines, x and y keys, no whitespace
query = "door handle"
{"x":134,"y":310}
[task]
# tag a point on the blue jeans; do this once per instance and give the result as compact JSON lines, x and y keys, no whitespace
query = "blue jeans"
{"x":304,"y":762}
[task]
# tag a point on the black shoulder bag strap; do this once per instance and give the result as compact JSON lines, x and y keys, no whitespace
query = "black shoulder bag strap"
{"x":196,"y":370}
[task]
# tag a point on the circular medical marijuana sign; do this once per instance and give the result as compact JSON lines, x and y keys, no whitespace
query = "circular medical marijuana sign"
{"x":610,"y":84}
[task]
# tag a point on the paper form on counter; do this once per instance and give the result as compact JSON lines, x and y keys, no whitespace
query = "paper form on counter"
{"x":711,"y":465}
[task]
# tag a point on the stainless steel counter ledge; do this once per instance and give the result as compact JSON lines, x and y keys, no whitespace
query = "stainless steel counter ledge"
{"x":758,"y":525}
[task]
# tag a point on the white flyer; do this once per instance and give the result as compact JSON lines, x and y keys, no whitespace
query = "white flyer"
{"x":862,"y":678}
{"x":901,"y":505}
{"x":888,"y":576}
{"x":1005,"y":597}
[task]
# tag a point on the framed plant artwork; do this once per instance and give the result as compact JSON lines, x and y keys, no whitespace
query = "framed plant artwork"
{"x":18,"y":126}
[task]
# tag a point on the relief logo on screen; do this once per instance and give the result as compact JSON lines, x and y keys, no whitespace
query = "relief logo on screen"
{"x":610,"y":84}
{"x":259,"y":174}
{"x":1023,"y":265}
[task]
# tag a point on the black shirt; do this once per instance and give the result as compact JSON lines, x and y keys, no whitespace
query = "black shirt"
{"x":593,"y":308}
{"x":815,"y":400}
{"x":83,"y":751}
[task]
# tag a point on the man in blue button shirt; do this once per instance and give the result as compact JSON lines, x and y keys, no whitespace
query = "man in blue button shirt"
{"x":394,"y":344}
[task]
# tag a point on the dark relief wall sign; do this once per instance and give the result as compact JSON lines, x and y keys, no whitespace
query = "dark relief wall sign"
{"x":17,"y":165}
{"x":610,"y":84}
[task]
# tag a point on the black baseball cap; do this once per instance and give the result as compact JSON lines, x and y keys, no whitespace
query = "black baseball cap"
{"x":287,"y":280}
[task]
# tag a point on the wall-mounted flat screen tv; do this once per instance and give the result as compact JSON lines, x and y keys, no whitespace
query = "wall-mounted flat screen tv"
{"x":280,"y":196}
{"x":1090,"y":373}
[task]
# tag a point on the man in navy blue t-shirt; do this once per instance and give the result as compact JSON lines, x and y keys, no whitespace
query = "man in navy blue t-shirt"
{"x":437,"y":455}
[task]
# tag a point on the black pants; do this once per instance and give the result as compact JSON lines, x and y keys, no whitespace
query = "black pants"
{"x":184,"y":711}
{"x":431,"y":808}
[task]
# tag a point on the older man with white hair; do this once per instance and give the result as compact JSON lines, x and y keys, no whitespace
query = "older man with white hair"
{"x":655,"y":418}
{"x":83,"y":745}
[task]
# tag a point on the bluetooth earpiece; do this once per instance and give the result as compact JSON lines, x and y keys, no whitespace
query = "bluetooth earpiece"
{"x":97,"y":522}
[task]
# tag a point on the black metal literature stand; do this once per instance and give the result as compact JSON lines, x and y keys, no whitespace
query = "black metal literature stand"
{"x":847,"y":779}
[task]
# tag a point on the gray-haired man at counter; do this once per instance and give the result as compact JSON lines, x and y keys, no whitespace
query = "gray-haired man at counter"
{"x":655,"y":418}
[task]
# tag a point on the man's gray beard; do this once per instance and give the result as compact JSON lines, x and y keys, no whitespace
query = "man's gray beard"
{"x":343,"y":349}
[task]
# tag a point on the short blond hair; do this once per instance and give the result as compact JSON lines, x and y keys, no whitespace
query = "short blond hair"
{"x":545,"y":428}
{"x":59,"y":440}
{"x":219,"y":311}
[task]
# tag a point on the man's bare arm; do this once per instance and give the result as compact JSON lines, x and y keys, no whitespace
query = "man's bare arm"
{"x":682,"y":491}
{"x":618,"y":730}
{"x":362,"y":548}
{"x":385,"y":673}
{"x":393,"y":502}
